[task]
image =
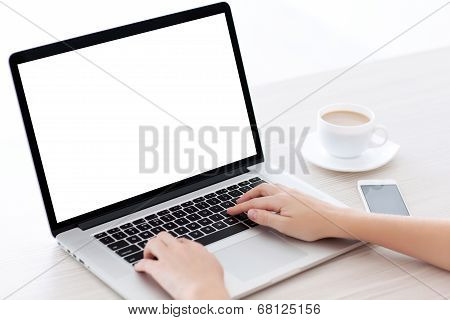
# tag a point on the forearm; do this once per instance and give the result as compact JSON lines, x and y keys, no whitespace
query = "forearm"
{"x":425,"y":239}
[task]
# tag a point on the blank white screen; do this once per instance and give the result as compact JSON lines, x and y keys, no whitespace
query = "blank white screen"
{"x":87,"y":122}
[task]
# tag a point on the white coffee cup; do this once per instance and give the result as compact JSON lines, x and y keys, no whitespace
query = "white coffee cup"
{"x":345,"y":140}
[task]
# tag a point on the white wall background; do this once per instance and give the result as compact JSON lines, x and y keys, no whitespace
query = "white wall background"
{"x":279,"y":39}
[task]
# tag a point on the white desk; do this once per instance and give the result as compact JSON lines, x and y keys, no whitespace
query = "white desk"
{"x":411,"y":95}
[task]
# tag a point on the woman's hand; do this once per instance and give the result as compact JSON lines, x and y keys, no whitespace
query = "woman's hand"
{"x":291,"y":212}
{"x":184,"y":268}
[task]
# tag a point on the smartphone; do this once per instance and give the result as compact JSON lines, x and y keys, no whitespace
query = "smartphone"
{"x":382,"y":196}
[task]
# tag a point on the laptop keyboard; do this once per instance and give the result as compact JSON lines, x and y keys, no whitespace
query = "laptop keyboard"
{"x":203,"y":219}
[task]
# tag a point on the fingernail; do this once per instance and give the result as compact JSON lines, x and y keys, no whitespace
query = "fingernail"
{"x":251,"y":214}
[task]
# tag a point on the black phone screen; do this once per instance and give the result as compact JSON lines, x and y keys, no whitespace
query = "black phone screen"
{"x":384,"y":199}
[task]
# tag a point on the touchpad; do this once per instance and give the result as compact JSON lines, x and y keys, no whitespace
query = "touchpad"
{"x":257,"y":256}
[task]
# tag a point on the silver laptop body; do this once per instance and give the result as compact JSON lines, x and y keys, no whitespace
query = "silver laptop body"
{"x":87,"y":104}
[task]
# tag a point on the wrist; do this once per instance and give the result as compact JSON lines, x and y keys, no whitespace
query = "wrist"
{"x":344,"y":223}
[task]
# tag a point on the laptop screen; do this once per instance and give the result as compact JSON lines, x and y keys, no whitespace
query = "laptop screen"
{"x":121,"y":118}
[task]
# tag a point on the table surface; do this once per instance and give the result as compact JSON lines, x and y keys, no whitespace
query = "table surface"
{"x":409,"y":94}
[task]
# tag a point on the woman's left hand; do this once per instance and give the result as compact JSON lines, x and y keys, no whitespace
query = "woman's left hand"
{"x":184,"y":268}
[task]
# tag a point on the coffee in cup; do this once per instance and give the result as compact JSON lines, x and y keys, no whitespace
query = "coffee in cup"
{"x":347,"y":130}
{"x":345,"y":118}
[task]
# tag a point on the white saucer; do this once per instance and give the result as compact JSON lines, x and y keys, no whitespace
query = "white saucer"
{"x":371,"y":159}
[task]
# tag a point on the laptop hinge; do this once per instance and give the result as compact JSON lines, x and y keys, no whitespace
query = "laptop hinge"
{"x":159,"y":199}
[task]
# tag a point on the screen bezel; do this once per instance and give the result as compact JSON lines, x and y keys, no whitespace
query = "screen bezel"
{"x":111,"y":35}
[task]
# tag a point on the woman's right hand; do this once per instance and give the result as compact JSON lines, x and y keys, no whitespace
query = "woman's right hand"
{"x":291,"y":212}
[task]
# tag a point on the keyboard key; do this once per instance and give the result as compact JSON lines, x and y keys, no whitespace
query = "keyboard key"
{"x":175,"y":208}
{"x":243,"y":183}
{"x":110,"y":242}
{"x":257,"y":183}
{"x":221,"y":191}
{"x":157,"y":230}
{"x":181,"y":230}
{"x":190,"y":209}
{"x":142,"y":244}
{"x":179,"y":214}
{"x":106,"y":240}
{"x":193,"y":226}
{"x":208,"y":229}
{"x":234,"y":186}
{"x":235,"y":193}
{"x":150,"y":216}
{"x":181,"y":221}
{"x":224,"y":213}
{"x":170,"y":226}
{"x":231,"y":220}
{"x":199,"y":199}
{"x":126,"y":226}
{"x":250,"y":223}
{"x":213,"y":201}
{"x":216,"y":217}
{"x":168,"y":218}
{"x":144,"y":226}
{"x":162,"y":212}
{"x":216,"y":208}
{"x":204,"y":221}
{"x":171,"y":232}
{"x":219,"y":225}
{"x":245,"y":189}
{"x":113,"y":230}
{"x":241,"y":217}
{"x":187,"y":204}
{"x":210,"y":195}
{"x":155,"y":223}
{"x":224,"y":197}
{"x":128,"y":250}
{"x":133,"y":239}
{"x":186,"y":237}
{"x":196,"y":234}
{"x":205,"y":213}
{"x":119,"y":235}
{"x":222,"y":234}
{"x":254,"y":179}
{"x":234,"y":200}
{"x":118,"y":245}
{"x":138,"y":221}
{"x":100,"y":235}
{"x":131,"y":231}
{"x":134,"y":257}
{"x":202,"y":205}
{"x":227,"y":204}
{"x":146,"y":235}
{"x":193,"y":217}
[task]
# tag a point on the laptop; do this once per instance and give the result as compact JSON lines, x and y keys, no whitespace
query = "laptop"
{"x":95,"y":107}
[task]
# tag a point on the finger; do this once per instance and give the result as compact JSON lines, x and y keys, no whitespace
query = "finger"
{"x":283,"y":187}
{"x":262,"y":190}
{"x":167,"y":238}
{"x":149,"y":254}
{"x":266,"y":218}
{"x":270,"y":203}
{"x":184,"y":240}
{"x":154,"y":248}
{"x":300,"y":196}
{"x":146,"y":265}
